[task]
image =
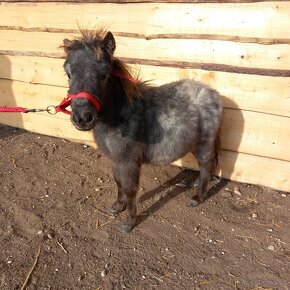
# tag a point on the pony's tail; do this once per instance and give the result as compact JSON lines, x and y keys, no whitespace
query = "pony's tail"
{"x":217,"y":147}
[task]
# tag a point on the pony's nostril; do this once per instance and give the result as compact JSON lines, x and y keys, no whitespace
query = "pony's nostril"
{"x":87,"y":117}
{"x":75,"y":117}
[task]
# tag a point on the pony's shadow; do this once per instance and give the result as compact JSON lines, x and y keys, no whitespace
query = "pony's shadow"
{"x":187,"y":178}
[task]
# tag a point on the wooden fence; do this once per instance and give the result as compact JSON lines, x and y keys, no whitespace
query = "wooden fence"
{"x":241,"y":49}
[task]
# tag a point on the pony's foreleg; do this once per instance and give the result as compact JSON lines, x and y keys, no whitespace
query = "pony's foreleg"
{"x":120,"y":204}
{"x":127,"y":178}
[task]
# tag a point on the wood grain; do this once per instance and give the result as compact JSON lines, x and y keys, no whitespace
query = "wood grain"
{"x":141,"y":1}
{"x":244,"y":55}
{"x":267,"y":22}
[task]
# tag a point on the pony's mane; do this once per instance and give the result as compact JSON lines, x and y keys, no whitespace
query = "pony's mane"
{"x":131,"y":84}
{"x":93,"y":39}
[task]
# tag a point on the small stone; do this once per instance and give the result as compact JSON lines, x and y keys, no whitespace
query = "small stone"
{"x":97,"y":189}
{"x":237,"y":191}
{"x":9,"y":262}
{"x":271,"y":248}
{"x":49,"y":236}
{"x":284,"y":195}
{"x":104,"y":273}
{"x":226,"y":193}
{"x":254,"y":215}
{"x":270,"y":230}
{"x":223,"y":253}
{"x":101,"y":180}
{"x":143,"y":276}
{"x":40,"y":233}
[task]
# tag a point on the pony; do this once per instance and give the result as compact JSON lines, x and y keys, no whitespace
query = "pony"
{"x":136,"y":123}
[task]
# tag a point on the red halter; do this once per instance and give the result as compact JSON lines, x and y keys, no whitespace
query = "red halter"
{"x":67,"y":101}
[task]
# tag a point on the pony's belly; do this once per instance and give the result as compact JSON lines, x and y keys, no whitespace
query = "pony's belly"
{"x":169,"y":153}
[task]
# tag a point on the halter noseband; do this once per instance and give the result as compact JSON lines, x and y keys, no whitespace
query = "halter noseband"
{"x":67,"y":101}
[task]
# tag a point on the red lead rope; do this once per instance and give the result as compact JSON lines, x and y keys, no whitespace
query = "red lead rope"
{"x":55,"y":109}
{"x":13,"y":110}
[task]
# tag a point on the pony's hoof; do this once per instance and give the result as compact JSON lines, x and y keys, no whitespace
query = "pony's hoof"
{"x":116,"y":208}
{"x":193,"y":203}
{"x":125,"y":229}
{"x":112,"y":211}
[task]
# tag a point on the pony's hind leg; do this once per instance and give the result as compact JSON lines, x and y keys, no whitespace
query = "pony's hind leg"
{"x":204,"y":177}
{"x":206,"y":160}
{"x":126,"y":176}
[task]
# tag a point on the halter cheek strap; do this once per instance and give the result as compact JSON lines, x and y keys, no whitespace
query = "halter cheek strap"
{"x":67,"y":101}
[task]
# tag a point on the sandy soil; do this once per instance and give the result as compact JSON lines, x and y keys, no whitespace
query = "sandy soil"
{"x":55,"y":232}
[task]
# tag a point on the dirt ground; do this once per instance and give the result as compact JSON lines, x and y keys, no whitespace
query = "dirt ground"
{"x":55,"y":232}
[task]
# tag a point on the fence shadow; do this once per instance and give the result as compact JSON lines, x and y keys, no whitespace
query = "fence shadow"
{"x":7,"y":98}
{"x":8,"y":131}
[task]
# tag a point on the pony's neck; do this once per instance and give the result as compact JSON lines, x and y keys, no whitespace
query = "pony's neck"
{"x":114,"y":101}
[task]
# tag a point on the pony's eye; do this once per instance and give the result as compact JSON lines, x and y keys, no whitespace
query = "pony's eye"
{"x":68,"y":75}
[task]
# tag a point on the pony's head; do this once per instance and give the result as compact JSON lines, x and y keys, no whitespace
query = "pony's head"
{"x":88,"y":65}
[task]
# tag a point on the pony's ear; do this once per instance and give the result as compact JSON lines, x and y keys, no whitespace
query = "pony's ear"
{"x":108,"y":43}
{"x":67,"y":45}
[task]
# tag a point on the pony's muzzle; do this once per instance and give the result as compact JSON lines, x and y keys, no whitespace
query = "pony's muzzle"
{"x":84,"y":120}
{"x":84,"y":115}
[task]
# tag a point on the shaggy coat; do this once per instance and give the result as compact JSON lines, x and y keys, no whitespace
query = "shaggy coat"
{"x":139,"y":123}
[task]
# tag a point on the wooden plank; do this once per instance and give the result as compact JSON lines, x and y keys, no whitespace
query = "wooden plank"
{"x":256,"y":133}
{"x":240,"y":91}
{"x":212,"y":52}
{"x":215,"y":21}
{"x":248,"y":168}
{"x":243,"y":131}
{"x":35,"y":70}
{"x":52,"y":125}
{"x":144,"y":1}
